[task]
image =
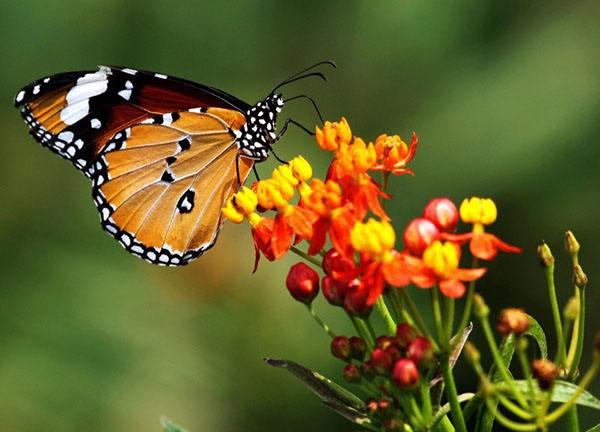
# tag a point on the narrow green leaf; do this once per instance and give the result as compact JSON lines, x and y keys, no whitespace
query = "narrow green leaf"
{"x":169,"y":426}
{"x":485,"y":419}
{"x":331,"y":394}
{"x":445,"y":409}
{"x":562,"y":392}
{"x":594,"y":429}
{"x":537,"y":333}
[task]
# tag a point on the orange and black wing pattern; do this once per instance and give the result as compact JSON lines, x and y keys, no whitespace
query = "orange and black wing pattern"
{"x":160,"y":185}
{"x":160,"y":150}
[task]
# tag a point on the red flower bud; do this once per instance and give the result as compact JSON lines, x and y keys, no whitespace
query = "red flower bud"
{"x":358,"y":347}
{"x":420,"y":351}
{"x":545,"y":372}
{"x":333,"y":261}
{"x":351,"y":373}
{"x":419,"y":235}
{"x":405,"y":373}
{"x":512,"y":320}
{"x":394,"y":352}
{"x":340,"y":347}
{"x":302,"y":283}
{"x":443,"y":213}
{"x":355,"y":301}
{"x":334,"y":290}
{"x":384,"y":341}
{"x":367,"y":371}
{"x":405,"y":334}
{"x":381,"y":361}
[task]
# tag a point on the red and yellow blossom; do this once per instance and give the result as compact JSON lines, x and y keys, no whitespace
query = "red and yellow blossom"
{"x":333,"y":135}
{"x":393,"y":154}
{"x":440,"y":266}
{"x":481,"y":212}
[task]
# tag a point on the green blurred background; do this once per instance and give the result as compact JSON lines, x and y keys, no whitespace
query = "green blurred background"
{"x":505,"y":96}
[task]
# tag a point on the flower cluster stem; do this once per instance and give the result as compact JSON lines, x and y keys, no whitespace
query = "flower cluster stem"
{"x":464,"y":321}
{"x":437,"y":317}
{"x":451,"y":393}
{"x":414,"y":313}
{"x":578,"y":332}
{"x":363,"y":331}
{"x":560,"y":341}
{"x":306,"y":256}
{"x":385,"y":314}
{"x":319,"y":321}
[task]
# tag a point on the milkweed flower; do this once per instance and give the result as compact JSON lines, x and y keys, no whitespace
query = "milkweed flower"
{"x":481,"y":212}
{"x":333,"y":135}
{"x":393,"y":154}
{"x":440,"y":266}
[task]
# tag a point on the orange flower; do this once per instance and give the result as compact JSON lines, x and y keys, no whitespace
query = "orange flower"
{"x":393,"y":154}
{"x":440,"y":266}
{"x":333,"y":135}
{"x":483,"y":245}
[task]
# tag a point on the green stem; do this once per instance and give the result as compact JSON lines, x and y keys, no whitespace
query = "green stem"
{"x":451,"y":393}
{"x":560,"y":341}
{"x":426,"y":401}
{"x":306,"y":256}
{"x":319,"y":321}
{"x":363,"y":331}
{"x":572,"y":420}
{"x":468,"y":301}
{"x":580,"y":334}
{"x":514,"y":408}
{"x":449,"y":316}
{"x":394,"y":299}
{"x":585,"y":382}
{"x":522,"y":354}
{"x":418,"y":319}
{"x":500,"y":366}
{"x":504,"y":421}
{"x":381,"y":307}
{"x":437,"y":317}
{"x":446,"y":424}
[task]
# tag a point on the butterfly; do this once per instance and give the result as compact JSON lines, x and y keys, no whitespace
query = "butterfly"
{"x":163,"y":153}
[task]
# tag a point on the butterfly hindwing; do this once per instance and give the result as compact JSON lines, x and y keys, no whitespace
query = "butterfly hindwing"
{"x":160,"y":185}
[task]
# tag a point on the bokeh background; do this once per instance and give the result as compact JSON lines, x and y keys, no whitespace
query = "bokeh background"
{"x":505,"y":97}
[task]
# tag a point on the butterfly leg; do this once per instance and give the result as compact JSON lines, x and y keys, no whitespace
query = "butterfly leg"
{"x":255,"y":172}
{"x":294,"y":122}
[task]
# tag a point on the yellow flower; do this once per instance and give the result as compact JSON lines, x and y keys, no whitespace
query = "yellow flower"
{"x":301,"y":168}
{"x":442,"y":258}
{"x":242,"y":205}
{"x":356,"y":158}
{"x":478,"y":211}
{"x":333,"y":135}
{"x":273,"y":193}
{"x":374,"y":238}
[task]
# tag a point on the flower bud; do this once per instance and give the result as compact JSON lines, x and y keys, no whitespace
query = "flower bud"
{"x":420,"y":351}
{"x":419,"y":234}
{"x":381,"y":361}
{"x":341,"y":348}
{"x":472,"y":352}
{"x":579,"y":277}
{"x":545,"y":255}
{"x":358,"y":347}
{"x":367,"y":371}
{"x":512,"y":320}
{"x":405,"y":334}
{"x":372,"y":406}
{"x":333,"y":261}
{"x":571,"y":243}
{"x":334,"y":290}
{"x":355,"y":301}
{"x":384,"y":341}
{"x":443,"y":213}
{"x":545,"y":372}
{"x":352,"y":373}
{"x":394,"y":352}
{"x":572,"y":308}
{"x":303,"y":283}
{"x":479,"y":307}
{"x":406,"y":373}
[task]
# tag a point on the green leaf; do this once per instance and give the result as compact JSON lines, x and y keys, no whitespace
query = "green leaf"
{"x":169,"y":426}
{"x":562,"y":392}
{"x":537,"y":333}
{"x":445,"y":409}
{"x":594,"y":429}
{"x":485,"y":419}
{"x":342,"y":401}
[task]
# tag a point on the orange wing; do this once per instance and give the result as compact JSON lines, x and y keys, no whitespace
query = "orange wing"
{"x":160,"y":185}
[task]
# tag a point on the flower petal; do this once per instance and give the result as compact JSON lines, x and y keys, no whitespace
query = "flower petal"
{"x":469,"y":274}
{"x":452,"y":288}
{"x":483,"y":246}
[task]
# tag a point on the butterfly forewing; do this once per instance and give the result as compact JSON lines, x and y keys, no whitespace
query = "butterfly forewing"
{"x":160,"y":185}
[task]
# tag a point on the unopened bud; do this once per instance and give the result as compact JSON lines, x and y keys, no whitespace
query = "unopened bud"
{"x":481,"y":309}
{"x":358,"y":347}
{"x":420,"y":351}
{"x":351,"y":373}
{"x":512,"y":320}
{"x":381,"y":361}
{"x":472,"y":352}
{"x":367,"y":371}
{"x":571,"y":243}
{"x":571,"y":310}
{"x":302,"y":283}
{"x":579,"y":276}
{"x":406,"y":373}
{"x":545,"y":255}
{"x":545,"y":372}
{"x":405,"y":334}
{"x":341,"y":348}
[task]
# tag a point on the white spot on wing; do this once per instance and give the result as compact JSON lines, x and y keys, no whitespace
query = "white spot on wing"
{"x":20,"y":96}
{"x":95,"y":123}
{"x":161,"y":76}
{"x":72,"y":113}
{"x":130,"y":71}
{"x":36,"y":89}
{"x":125,"y":94}
{"x":66,"y":136}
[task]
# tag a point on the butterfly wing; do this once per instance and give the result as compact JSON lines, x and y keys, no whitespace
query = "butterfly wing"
{"x":75,"y":114}
{"x":160,"y":184}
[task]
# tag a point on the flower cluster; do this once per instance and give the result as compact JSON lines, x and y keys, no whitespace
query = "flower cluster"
{"x":347,"y":208}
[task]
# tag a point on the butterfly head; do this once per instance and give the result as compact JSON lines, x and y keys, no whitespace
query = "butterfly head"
{"x":256,"y":137}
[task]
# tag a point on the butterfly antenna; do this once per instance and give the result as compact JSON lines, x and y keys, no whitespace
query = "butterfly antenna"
{"x":312,"y":101}
{"x":327,"y":62}
{"x":297,"y":78}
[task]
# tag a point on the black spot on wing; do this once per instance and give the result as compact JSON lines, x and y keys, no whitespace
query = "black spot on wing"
{"x":186,"y":201}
